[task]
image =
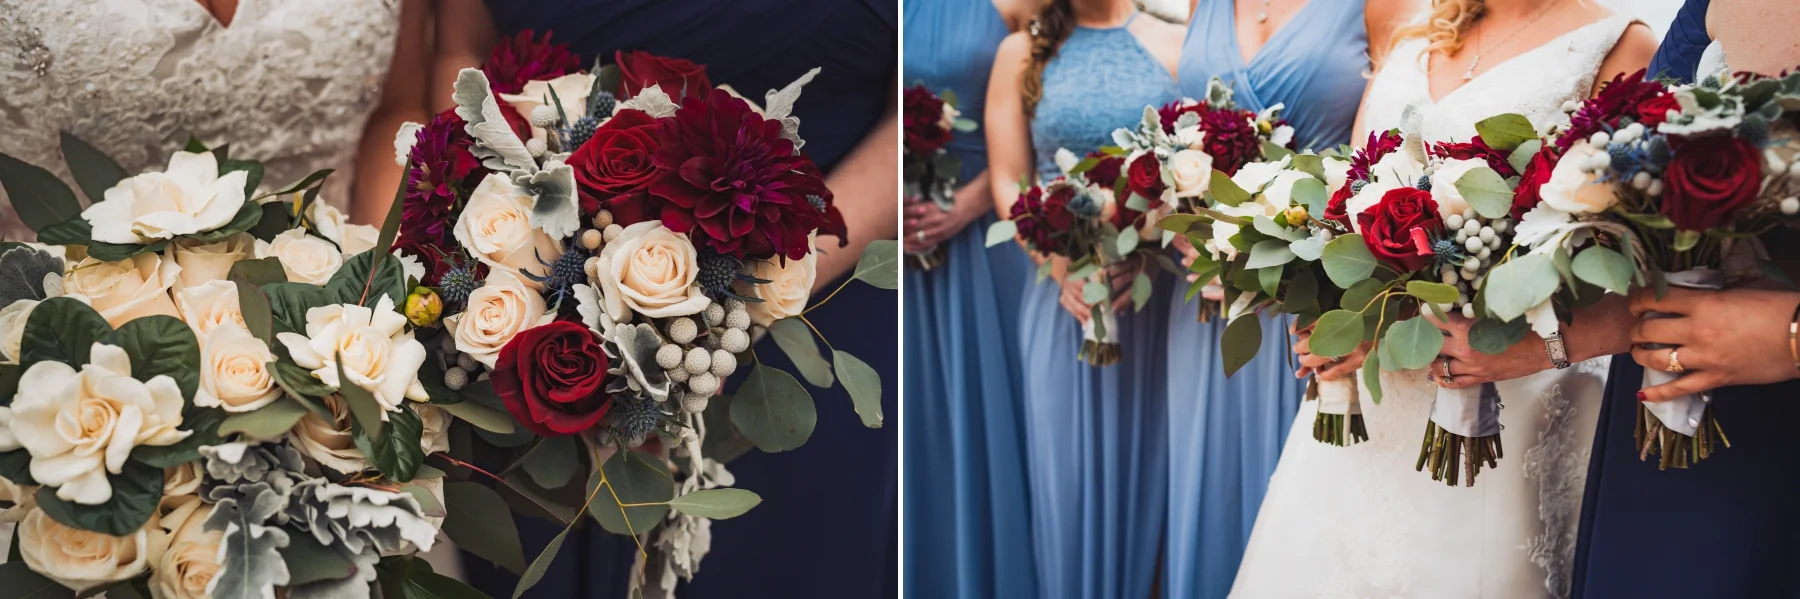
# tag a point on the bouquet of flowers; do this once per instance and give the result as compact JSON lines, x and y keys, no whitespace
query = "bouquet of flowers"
{"x":595,"y":274}
{"x":209,"y":391}
{"x":928,"y":170}
{"x":1671,"y":185}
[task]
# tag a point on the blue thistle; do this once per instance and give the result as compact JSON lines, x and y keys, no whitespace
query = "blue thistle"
{"x":1424,"y":183}
{"x":602,"y":105}
{"x":1084,"y":205}
{"x":1656,"y":153}
{"x":639,"y":416}
{"x":579,"y":132}
{"x":818,"y":202}
{"x":1357,"y":185}
{"x":717,"y":271}
{"x":1627,"y":159}
{"x":561,"y":275}
{"x":459,"y":281}
{"x":1447,"y":252}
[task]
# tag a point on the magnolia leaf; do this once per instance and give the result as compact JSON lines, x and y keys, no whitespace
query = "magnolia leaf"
{"x":1604,"y":268}
{"x":203,"y":424}
{"x":288,"y":302}
{"x":773,"y":410}
{"x":61,"y":329}
{"x":635,"y":477}
{"x":716,"y":504}
{"x":541,"y":563}
{"x":796,"y":340}
{"x":1001,"y":232}
{"x":1490,"y":336}
{"x":1412,"y":343}
{"x":1347,"y":260}
{"x":247,"y":216}
{"x":1240,"y":342}
{"x":266,"y":423}
{"x":1225,"y":191}
{"x":1505,"y":132}
{"x":478,"y":521}
{"x":22,"y":583}
{"x":354,"y":284}
{"x":495,"y":143}
{"x":94,"y":171}
{"x":136,"y":489}
{"x":479,"y":416}
{"x":162,"y":346}
{"x":69,"y":232}
{"x":864,"y":385}
{"x":114,"y":252}
{"x":395,"y":449}
{"x":1486,"y":192}
{"x":1269,"y":252}
{"x":39,"y":198}
{"x":1427,"y":291}
{"x":1519,"y":284}
{"x":1337,"y":333}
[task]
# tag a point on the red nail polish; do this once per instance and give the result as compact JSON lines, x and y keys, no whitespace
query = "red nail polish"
{"x":1642,"y":397}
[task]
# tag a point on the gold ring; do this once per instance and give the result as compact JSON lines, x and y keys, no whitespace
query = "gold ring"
{"x":1674,"y":361}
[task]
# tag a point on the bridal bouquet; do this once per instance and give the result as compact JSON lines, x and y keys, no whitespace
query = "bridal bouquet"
{"x":928,"y":170}
{"x":595,"y":275}
{"x":208,"y":391}
{"x":1671,"y":185}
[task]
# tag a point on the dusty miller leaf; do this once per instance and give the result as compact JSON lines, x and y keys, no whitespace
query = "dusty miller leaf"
{"x":495,"y":143}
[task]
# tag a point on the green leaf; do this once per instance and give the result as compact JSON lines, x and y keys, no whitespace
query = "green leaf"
{"x":304,"y":183}
{"x":540,"y":564}
{"x":1361,"y":295}
{"x":204,"y":424}
{"x":1412,"y":343}
{"x":480,"y":416}
{"x":1001,"y":231}
{"x":255,"y":308}
{"x":1371,"y":376}
{"x":1269,"y":279}
{"x":864,"y":385}
{"x":136,"y":489}
{"x":309,"y":561}
{"x":266,"y":423}
{"x":1225,"y":191}
{"x":94,"y":171}
{"x":552,"y":462}
{"x":1125,"y":242}
{"x":1521,"y":156}
{"x":114,"y":252}
{"x":298,"y":380}
{"x":635,"y":477}
{"x":1272,"y":152}
{"x":1654,"y":221}
{"x":1686,"y":240}
{"x":1337,"y":333}
{"x":61,"y":329}
{"x":1604,"y":268}
{"x":162,"y":346}
{"x":348,"y":284}
{"x":22,"y":583}
{"x":1179,"y":222}
{"x":796,"y":340}
{"x":422,"y":583}
{"x":879,"y":264}
{"x":364,"y":410}
{"x":1505,"y":132}
{"x":1347,"y":260}
{"x":15,"y":466}
{"x":1486,"y":192}
{"x":194,"y":145}
{"x":1517,"y":285}
{"x":1490,"y":336}
{"x":39,"y":197}
{"x":1302,"y":293}
{"x":1311,"y":194}
{"x":394,"y":449}
{"x":1095,"y":292}
{"x":1141,"y":288}
{"x":478,"y":521}
{"x":1269,"y":252}
{"x":1427,"y":291}
{"x":773,"y":410}
{"x":9,"y":383}
{"x":253,"y":174}
{"x":246,"y":217}
{"x":69,"y":232}
{"x":290,"y":301}
{"x":1242,"y":339}
{"x":274,"y":220}
{"x":716,"y":504}
{"x":1311,"y":164}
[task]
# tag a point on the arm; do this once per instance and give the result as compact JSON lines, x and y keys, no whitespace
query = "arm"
{"x":464,"y":34}
{"x":1600,"y":329}
{"x":864,"y":191}
{"x":1007,"y":128}
{"x":1729,"y":337}
{"x":403,"y":98}
{"x":1630,"y":55}
{"x":1742,"y":27}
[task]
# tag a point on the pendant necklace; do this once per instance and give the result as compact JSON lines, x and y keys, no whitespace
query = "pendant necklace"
{"x":1470,"y":73}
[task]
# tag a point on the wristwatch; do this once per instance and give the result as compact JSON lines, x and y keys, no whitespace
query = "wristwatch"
{"x":1559,"y":353}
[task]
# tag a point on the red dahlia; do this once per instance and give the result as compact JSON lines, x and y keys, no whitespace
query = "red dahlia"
{"x":1617,"y":99}
{"x":1380,"y":145}
{"x":1230,"y":139}
{"x":439,"y":169}
{"x":523,"y":58}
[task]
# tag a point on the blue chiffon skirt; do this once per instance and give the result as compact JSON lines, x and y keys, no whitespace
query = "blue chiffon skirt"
{"x":1098,"y":445}
{"x":968,"y":517}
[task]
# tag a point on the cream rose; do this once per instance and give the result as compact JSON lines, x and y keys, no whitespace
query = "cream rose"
{"x":436,"y":425}
{"x":329,"y":442}
{"x":496,"y":227}
{"x":501,"y":308}
{"x":79,"y":425}
{"x":650,"y":270}
{"x":1443,"y":185}
{"x":785,"y":295}
{"x":1572,"y":188}
{"x":571,"y":90}
{"x":204,"y":307}
{"x":188,"y":198}
{"x":1337,"y":171}
{"x":305,"y":259}
{"x":1279,"y":195}
{"x":81,"y":559}
{"x":234,"y":373}
{"x":203,"y":262}
{"x":125,"y":290}
{"x":18,"y":500}
{"x":1397,"y":168}
{"x":331,"y":224}
{"x":182,"y":481}
{"x":12,"y":328}
{"x":191,"y":559}
{"x":1192,"y":172}
{"x":379,"y":354}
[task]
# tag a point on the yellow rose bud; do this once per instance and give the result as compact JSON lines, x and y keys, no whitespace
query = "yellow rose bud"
{"x":1296,"y":215}
{"x":423,"y":307}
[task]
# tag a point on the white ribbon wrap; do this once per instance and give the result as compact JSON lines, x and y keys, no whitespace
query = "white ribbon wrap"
{"x":1468,"y":412}
{"x":1108,"y":318}
{"x":1681,"y":414}
{"x":1339,"y":396}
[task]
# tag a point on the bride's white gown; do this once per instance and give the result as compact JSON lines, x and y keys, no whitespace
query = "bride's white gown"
{"x":1359,"y":521}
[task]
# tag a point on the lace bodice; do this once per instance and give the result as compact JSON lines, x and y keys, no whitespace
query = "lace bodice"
{"x":289,"y":82}
{"x":1100,"y":80}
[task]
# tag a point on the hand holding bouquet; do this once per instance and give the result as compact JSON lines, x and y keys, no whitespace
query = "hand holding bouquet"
{"x":928,"y":170}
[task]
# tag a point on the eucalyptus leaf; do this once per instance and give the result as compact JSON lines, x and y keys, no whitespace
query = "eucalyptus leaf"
{"x":1269,"y":252}
{"x":478,"y":521}
{"x":795,"y":339}
{"x":1604,"y":268}
{"x":1347,"y":260}
{"x":1337,"y":333}
{"x":480,"y":416}
{"x":1001,"y":232}
{"x":1178,"y":223}
{"x":541,"y":563}
{"x":1095,"y":292}
{"x":1225,"y":191}
{"x":773,"y":410}
{"x":1412,"y":343}
{"x":634,"y":477}
{"x":1486,"y":192}
{"x":716,"y":504}
{"x":1311,"y":164}
{"x":1311,"y":194}
{"x":1371,"y":376}
{"x":1141,"y":289}
{"x":1519,"y":284}
{"x":1521,"y":156}
{"x":254,"y":306}
{"x":1125,"y":242}
{"x":1360,"y":296}
{"x":1302,"y":293}
{"x":864,"y":385}
{"x":353,"y":283}
{"x":1505,"y":132}
{"x":552,"y":462}
{"x":1427,"y":291}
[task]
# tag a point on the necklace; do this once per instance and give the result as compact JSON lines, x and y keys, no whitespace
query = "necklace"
{"x":1470,"y":73}
{"x":1263,"y":15}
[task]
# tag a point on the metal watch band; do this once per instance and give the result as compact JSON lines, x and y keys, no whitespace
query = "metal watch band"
{"x":1559,"y":353}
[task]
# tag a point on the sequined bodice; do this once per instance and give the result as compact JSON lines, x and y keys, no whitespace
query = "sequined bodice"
{"x":289,"y":82}
{"x":1100,"y":80}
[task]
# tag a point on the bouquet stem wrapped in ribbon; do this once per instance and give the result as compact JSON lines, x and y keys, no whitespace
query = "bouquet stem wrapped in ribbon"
{"x":1463,"y":434}
{"x":1340,"y":419}
{"x":1681,"y":430}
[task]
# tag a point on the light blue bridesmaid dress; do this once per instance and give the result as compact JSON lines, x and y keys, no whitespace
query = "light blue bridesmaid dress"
{"x":1226,"y":434}
{"x":968,"y":517}
{"x":1097,"y":438}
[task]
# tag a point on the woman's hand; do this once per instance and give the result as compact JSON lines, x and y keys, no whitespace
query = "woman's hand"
{"x":1598,"y":329}
{"x":1118,"y":276}
{"x":1728,"y":337}
{"x":1327,"y":369}
{"x":927,"y":224}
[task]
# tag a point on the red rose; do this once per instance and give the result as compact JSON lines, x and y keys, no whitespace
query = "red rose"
{"x":1338,"y":207}
{"x":678,"y":77}
{"x":1145,"y":178}
{"x":1654,"y":110}
{"x":1536,"y":173}
{"x":552,"y":379}
{"x":1708,"y":179}
{"x":1055,"y":211}
{"x":615,"y":167}
{"x":1387,"y":227}
{"x":923,"y":124}
{"x":1105,"y":173}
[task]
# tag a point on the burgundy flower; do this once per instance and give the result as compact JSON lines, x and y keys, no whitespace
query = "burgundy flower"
{"x":615,"y":167}
{"x":728,"y":178}
{"x":1145,"y":178}
{"x":1338,"y":207}
{"x":1042,"y":216}
{"x":1231,"y":139}
{"x":1105,"y":173}
{"x":1381,"y":143}
{"x":1617,"y":99}
{"x":439,"y":169}
{"x":523,"y":58}
{"x":1475,"y":149}
{"x":551,"y":379}
{"x":1393,"y":226}
{"x":1654,"y":110}
{"x":678,"y":77}
{"x":1709,"y":179}
{"x":923,"y":116}
{"x":1171,"y":112}
{"x":1532,"y":180}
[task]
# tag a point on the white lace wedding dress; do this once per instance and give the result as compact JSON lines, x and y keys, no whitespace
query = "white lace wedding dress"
{"x":289,"y":82}
{"x":1359,"y":521}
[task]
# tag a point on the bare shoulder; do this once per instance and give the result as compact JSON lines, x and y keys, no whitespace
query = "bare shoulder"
{"x":1164,"y":32}
{"x":1014,"y":49}
{"x":1632,"y":52}
{"x":1017,"y":13}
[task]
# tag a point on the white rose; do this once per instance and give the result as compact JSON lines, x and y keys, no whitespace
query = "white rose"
{"x":1255,"y":175}
{"x":1572,"y":190}
{"x":947,"y":118}
{"x":650,"y":270}
{"x":331,"y":224}
{"x":125,"y":290}
{"x":785,"y":295}
{"x":234,"y":373}
{"x":1191,"y":171}
{"x":571,"y":90}
{"x":1337,"y":171}
{"x":379,"y":354}
{"x":188,"y":198}
{"x":1279,"y":195}
{"x":1281,"y":136}
{"x":81,"y":559}
{"x":12,"y":328}
{"x":1367,"y":198}
{"x":203,"y":262}
{"x":79,"y":425}
{"x":182,"y":480}
{"x":305,"y":259}
{"x":1397,"y":168}
{"x":205,"y":307}
{"x":190,"y":561}
{"x":495,"y":226}
{"x":436,"y":425}
{"x":21,"y":499}
{"x":1443,"y":185}
{"x":497,"y":311}
{"x":329,"y":442}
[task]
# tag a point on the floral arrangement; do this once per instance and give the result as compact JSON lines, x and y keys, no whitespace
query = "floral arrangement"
{"x":1658,"y":185}
{"x":928,"y":170}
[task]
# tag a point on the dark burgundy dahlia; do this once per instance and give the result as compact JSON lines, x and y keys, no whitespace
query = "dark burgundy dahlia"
{"x":1171,"y":112}
{"x":1475,"y":149}
{"x":1231,"y":139}
{"x":1617,"y":99}
{"x":1105,"y":173}
{"x":727,"y":178}
{"x":523,"y":58}
{"x":1381,"y":143}
{"x":439,"y":169}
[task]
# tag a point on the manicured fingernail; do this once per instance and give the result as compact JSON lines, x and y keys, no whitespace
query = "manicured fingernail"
{"x":1642,"y":397}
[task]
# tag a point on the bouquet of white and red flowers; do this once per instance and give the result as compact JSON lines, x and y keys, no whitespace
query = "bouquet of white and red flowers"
{"x":928,"y":170}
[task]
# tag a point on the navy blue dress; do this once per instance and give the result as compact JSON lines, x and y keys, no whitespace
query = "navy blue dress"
{"x":1742,"y":521}
{"x":827,"y":526}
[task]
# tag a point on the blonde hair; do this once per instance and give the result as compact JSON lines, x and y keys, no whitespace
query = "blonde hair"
{"x":1443,"y":29}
